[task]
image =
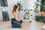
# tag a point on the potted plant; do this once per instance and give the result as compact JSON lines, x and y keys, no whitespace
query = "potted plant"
{"x":38,"y":18}
{"x":37,"y":4}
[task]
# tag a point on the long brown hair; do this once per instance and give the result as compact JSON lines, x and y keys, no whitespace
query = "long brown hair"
{"x":15,"y":7}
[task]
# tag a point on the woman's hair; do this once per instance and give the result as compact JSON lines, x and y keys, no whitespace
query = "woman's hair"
{"x":15,"y":7}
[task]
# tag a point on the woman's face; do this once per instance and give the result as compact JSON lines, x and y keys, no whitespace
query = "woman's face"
{"x":18,"y":9}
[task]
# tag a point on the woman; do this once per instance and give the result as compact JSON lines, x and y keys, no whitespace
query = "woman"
{"x":16,"y":22}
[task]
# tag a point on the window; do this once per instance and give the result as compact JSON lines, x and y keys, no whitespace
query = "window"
{"x":3,"y":3}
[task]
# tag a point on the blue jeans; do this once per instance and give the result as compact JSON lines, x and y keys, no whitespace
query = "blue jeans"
{"x":16,"y":24}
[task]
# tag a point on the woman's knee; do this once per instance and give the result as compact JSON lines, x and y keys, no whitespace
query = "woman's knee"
{"x":19,"y":26}
{"x":12,"y":20}
{"x":21,"y":21}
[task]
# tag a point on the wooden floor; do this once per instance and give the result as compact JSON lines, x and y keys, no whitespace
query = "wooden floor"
{"x":32,"y":25}
{"x":25,"y":26}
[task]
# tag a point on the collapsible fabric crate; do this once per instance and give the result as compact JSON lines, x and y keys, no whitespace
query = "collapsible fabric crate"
{"x":5,"y":16}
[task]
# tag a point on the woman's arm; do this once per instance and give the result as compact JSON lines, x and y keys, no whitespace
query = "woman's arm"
{"x":14,"y":14}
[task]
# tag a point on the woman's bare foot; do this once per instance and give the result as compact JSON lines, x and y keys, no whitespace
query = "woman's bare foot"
{"x":9,"y":26}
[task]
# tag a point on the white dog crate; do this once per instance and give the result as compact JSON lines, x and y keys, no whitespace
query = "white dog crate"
{"x":25,"y":15}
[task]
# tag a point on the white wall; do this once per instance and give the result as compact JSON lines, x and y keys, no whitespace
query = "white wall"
{"x":26,"y":4}
{"x":11,"y":3}
{"x":31,"y":4}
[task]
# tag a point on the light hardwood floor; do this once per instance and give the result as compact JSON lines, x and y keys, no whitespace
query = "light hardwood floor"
{"x":25,"y":26}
